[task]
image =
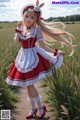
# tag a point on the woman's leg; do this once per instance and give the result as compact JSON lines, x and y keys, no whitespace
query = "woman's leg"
{"x":33,"y":93}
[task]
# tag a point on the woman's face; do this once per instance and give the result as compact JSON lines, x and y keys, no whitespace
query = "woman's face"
{"x":29,"y":19}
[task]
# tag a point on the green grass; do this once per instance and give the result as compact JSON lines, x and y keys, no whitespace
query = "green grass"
{"x":8,"y":52}
{"x":7,"y":25}
{"x":63,"y":87}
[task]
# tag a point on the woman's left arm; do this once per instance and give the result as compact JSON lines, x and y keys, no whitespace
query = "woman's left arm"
{"x":46,"y":48}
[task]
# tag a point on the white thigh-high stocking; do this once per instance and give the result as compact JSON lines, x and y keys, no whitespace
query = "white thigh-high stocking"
{"x":31,"y":100}
{"x":40,"y":105}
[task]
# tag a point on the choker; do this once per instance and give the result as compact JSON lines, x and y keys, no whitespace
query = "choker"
{"x":29,"y":27}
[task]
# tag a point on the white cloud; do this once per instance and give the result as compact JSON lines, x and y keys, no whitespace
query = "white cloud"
{"x":11,"y":9}
{"x":77,"y":9}
{"x":4,"y":1}
{"x":58,"y":11}
{"x":2,"y":5}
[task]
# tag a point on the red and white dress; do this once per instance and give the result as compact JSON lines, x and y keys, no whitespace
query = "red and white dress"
{"x":32,"y":63}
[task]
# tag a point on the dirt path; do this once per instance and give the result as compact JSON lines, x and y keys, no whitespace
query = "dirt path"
{"x":23,"y":106}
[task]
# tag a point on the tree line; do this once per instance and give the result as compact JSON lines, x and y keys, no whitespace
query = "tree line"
{"x":71,"y":18}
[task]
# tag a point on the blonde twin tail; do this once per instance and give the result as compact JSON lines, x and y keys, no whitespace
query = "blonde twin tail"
{"x":53,"y":34}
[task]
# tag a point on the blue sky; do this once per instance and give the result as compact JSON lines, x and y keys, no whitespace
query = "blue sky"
{"x":10,"y":10}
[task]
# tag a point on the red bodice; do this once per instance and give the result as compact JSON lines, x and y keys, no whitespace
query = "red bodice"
{"x":28,"y":43}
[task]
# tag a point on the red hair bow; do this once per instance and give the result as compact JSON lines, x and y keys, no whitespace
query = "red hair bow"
{"x":41,"y":18}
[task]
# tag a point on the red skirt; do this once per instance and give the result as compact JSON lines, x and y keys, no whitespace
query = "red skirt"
{"x":43,"y":69}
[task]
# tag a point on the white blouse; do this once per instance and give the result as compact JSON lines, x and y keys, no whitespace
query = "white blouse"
{"x":32,"y":33}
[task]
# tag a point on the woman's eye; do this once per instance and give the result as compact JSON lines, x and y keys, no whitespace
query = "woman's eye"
{"x":32,"y":17}
{"x":26,"y":16}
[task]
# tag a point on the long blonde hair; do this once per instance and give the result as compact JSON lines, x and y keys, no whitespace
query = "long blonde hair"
{"x":53,"y":34}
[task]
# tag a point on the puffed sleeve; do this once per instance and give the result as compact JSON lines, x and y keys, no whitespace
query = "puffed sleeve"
{"x":39,"y":34}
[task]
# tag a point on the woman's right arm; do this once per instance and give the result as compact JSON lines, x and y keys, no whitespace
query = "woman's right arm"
{"x":16,"y":39}
{"x":17,"y":34}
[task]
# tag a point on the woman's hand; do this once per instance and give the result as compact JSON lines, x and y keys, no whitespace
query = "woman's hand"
{"x":58,"y":52}
{"x":19,"y":28}
{"x":19,"y":24}
{"x":62,"y":53}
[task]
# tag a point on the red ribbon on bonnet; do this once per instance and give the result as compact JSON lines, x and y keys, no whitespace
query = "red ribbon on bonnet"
{"x":41,"y":18}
